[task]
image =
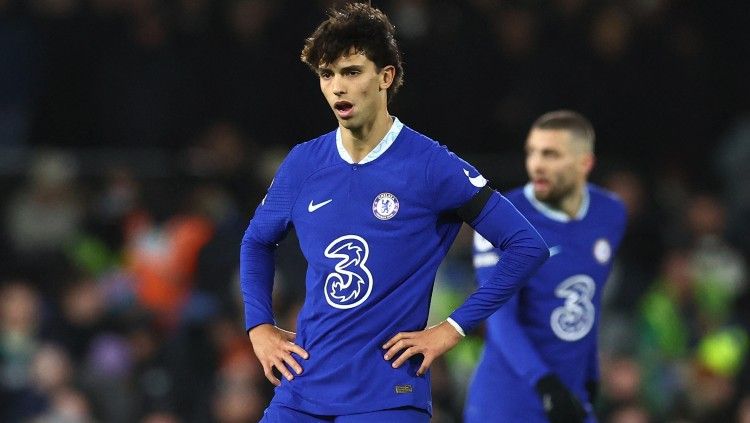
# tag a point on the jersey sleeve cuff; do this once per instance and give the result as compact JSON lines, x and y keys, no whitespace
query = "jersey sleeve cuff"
{"x":456,"y":326}
{"x":250,"y":324}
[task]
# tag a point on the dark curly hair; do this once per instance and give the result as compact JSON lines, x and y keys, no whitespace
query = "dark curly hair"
{"x":359,"y":26}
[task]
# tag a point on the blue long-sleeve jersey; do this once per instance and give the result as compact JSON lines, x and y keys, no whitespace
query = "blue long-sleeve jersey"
{"x":373,"y":234}
{"x":551,"y":324}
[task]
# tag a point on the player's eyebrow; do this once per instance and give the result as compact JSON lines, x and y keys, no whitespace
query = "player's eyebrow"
{"x":324,"y":68}
{"x":351,"y":68}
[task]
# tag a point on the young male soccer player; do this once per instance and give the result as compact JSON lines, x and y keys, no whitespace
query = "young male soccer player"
{"x":540,"y":359}
{"x":376,"y":206}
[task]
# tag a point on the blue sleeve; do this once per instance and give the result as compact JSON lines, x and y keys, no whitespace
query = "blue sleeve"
{"x":269,"y":225}
{"x":509,"y":338}
{"x":524,"y":251}
{"x":256,"y":279}
{"x":592,"y":372}
{"x":619,"y":223}
{"x":453,"y":181}
{"x":506,"y":333}
{"x":485,"y":258}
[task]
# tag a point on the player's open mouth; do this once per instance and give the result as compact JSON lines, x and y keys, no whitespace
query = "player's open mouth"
{"x":540,"y":183}
{"x":343,"y":108}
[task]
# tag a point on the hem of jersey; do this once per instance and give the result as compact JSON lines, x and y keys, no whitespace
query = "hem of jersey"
{"x":292,"y":400}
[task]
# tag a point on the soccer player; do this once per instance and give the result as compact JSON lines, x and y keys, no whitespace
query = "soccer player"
{"x":376,"y":206}
{"x":540,"y":358}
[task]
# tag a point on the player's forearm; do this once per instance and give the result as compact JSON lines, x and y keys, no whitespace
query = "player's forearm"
{"x":524,"y":251}
{"x":507,"y":279}
{"x":256,"y":280}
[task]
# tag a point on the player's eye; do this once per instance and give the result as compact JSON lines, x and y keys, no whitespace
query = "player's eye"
{"x":352,"y":72}
{"x":326,"y":74}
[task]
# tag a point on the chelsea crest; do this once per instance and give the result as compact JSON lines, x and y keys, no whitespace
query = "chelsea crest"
{"x":385,"y":206}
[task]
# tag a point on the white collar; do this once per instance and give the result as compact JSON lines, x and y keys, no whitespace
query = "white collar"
{"x":379,"y":149}
{"x":528,"y":192}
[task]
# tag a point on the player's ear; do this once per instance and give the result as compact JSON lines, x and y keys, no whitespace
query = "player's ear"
{"x":387,"y":75}
{"x":587,"y":163}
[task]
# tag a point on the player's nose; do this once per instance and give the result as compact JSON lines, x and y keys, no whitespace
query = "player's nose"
{"x":534,"y":165}
{"x":337,"y":86}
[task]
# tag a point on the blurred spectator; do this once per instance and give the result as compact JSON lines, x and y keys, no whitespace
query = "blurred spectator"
{"x":732,"y":164}
{"x":622,"y":391}
{"x":106,"y":377}
{"x":51,"y":370}
{"x":720,"y":271}
{"x":670,"y":322}
{"x":82,"y":317}
{"x":237,"y":397}
{"x":632,"y":413}
{"x":68,"y":405}
{"x":163,"y":257}
{"x":46,"y":213}
{"x":642,"y":245}
{"x":20,"y":311}
{"x":222,"y":154}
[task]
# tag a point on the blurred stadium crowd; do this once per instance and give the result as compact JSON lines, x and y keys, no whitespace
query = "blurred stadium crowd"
{"x":137,"y":136}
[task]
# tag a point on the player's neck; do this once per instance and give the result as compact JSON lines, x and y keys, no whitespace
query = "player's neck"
{"x":571,"y":204}
{"x":359,"y":142}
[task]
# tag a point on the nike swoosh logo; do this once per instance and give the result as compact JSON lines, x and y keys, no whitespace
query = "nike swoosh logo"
{"x":312,"y":207}
{"x":477,"y":181}
{"x":553,"y":251}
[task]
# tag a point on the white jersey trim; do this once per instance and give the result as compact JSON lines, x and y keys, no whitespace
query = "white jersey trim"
{"x":379,"y":149}
{"x":456,"y":326}
{"x":528,"y":192}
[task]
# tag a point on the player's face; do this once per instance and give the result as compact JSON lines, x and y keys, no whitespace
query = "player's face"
{"x":355,"y":89}
{"x":555,"y":166}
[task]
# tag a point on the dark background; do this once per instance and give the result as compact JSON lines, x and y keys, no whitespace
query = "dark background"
{"x":137,"y":137}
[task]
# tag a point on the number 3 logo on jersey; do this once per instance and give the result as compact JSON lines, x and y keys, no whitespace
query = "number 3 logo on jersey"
{"x":351,"y":282}
{"x":573,"y":320}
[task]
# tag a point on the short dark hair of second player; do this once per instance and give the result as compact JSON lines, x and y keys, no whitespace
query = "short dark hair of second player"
{"x":358,"y":26}
{"x":576,"y":123}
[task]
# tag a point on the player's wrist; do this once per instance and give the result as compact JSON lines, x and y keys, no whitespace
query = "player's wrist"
{"x":255,"y":330}
{"x":456,"y":326}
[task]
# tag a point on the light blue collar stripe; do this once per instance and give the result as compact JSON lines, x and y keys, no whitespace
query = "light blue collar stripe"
{"x":528,"y":192}
{"x":379,"y":149}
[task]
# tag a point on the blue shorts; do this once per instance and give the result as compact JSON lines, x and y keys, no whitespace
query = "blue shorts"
{"x":279,"y":414}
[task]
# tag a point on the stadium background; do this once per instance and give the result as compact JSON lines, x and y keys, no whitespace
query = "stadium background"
{"x":137,"y":136}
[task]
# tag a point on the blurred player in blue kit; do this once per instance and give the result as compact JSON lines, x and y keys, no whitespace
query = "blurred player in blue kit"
{"x":376,"y":206}
{"x":540,"y":360}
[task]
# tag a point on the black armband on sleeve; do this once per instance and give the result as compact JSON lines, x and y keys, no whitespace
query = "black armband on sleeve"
{"x":473,"y":208}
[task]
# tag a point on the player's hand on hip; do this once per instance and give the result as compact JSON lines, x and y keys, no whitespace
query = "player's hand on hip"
{"x":274,"y":347}
{"x":431,"y":343}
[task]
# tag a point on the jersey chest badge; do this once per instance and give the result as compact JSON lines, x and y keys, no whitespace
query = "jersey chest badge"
{"x":602,"y":250}
{"x":385,"y":206}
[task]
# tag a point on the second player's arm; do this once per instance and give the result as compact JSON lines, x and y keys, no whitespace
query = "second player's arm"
{"x":495,"y":218}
